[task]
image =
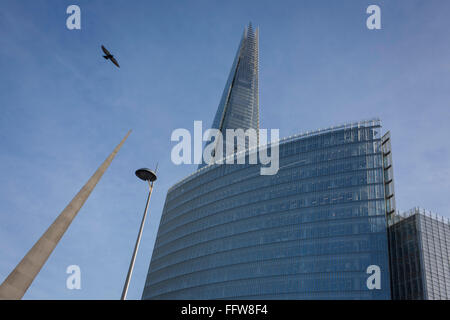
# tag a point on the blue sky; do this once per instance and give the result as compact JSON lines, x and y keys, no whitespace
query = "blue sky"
{"x":63,"y":108}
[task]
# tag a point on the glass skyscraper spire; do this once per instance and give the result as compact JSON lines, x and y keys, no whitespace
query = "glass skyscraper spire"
{"x":239,"y":105}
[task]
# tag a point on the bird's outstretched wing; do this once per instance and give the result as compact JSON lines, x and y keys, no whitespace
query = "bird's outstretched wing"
{"x":115,"y":62}
{"x":105,"y":51}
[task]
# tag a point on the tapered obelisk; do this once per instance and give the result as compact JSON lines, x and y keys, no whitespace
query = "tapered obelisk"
{"x":18,"y":281}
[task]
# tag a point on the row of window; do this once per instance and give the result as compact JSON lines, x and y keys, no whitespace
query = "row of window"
{"x":312,"y":157}
{"x":265,"y":202}
{"x":200,"y":219}
{"x":289,"y":261}
{"x":344,"y":282}
{"x":244,"y":245}
{"x":249,"y":178}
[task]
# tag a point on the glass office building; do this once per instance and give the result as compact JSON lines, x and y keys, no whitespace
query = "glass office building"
{"x":314,"y":230}
{"x":420,"y":256}
{"x":308,"y":232}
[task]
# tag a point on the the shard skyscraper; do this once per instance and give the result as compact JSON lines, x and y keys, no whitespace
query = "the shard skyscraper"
{"x":239,"y":105}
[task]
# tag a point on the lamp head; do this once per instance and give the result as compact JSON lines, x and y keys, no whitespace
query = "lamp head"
{"x":146,"y":174}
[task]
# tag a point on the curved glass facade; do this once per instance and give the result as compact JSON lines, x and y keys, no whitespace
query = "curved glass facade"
{"x":308,"y":232}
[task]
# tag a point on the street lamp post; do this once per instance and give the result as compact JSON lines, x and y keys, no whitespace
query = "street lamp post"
{"x":149,"y":176}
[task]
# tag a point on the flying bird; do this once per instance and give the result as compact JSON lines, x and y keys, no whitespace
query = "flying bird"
{"x":109,"y":56}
